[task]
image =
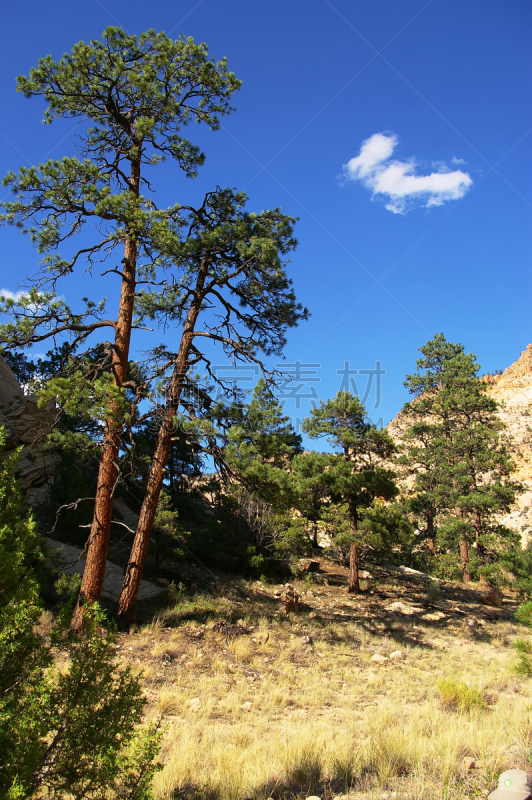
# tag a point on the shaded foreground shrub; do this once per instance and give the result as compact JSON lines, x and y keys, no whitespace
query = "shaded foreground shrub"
{"x":70,"y":720}
{"x":524,"y":646}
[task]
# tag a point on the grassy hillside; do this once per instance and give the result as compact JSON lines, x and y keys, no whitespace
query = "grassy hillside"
{"x":260,"y":704}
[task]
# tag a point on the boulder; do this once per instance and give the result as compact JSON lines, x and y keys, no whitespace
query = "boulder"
{"x":403,"y":608}
{"x":493,"y":598}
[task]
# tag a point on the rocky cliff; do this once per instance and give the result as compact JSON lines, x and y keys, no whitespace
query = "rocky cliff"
{"x":513,"y":391}
{"x":26,"y":425}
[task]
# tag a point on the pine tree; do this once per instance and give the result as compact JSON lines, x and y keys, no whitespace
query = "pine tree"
{"x":453,"y":447}
{"x":231,"y":288}
{"x":310,"y":491}
{"x":136,"y":93}
{"x":356,"y":473}
{"x":261,"y":444}
{"x":383,"y":528}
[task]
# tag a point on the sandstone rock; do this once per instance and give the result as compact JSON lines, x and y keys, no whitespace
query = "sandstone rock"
{"x":397,"y":655}
{"x":403,"y":608}
{"x":493,"y":598}
{"x":378,"y":659}
{"x":10,"y":386}
{"x":28,"y":425}
{"x":434,"y":616}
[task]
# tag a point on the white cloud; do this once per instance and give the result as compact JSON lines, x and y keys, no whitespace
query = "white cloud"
{"x":397,"y":180}
{"x":9,"y":295}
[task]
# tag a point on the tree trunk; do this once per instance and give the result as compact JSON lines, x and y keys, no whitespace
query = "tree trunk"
{"x":464,"y":553}
{"x":98,"y":541}
{"x":481,"y":550}
{"x":464,"y":558}
{"x":431,"y":539}
{"x":315,"y":542}
{"x":354,"y":585}
{"x":125,"y":609}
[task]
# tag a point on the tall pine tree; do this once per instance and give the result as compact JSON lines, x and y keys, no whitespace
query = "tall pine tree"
{"x":459,"y":463}
{"x":136,"y":93}
{"x":230,"y":287}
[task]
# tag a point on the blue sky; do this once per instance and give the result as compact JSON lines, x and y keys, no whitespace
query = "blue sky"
{"x":424,"y":228}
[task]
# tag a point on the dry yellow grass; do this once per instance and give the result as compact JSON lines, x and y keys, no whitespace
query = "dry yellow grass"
{"x":296,"y":706}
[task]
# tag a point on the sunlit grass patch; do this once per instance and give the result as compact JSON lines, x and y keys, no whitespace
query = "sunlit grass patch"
{"x":288,"y":707}
{"x":199,"y":609}
{"x":169,"y":703}
{"x":459,"y":696}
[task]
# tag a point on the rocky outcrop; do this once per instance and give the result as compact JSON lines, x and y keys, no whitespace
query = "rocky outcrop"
{"x":28,"y":426}
{"x":69,"y":559}
{"x":513,"y":391}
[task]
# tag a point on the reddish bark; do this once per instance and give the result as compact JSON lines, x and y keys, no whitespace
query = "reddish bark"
{"x":125,"y":609}
{"x":464,"y":558}
{"x":98,"y":542}
{"x":431,"y":539}
{"x":354,"y":584}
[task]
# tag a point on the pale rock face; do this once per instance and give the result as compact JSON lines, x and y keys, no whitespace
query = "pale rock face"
{"x":9,"y":387}
{"x":71,"y":560}
{"x":513,"y":391}
{"x":27,"y":425}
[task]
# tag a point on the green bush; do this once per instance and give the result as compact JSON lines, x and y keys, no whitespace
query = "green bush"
{"x":524,"y":657}
{"x":524,"y":646}
{"x":68,"y":730}
{"x":524,"y":613}
{"x":433,"y":592}
{"x":458,"y":696}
